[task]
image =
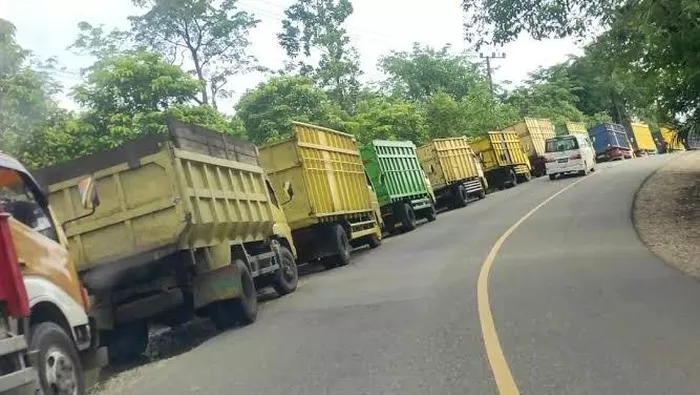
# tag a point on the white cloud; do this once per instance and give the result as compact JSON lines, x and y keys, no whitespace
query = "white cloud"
{"x":48,"y":27}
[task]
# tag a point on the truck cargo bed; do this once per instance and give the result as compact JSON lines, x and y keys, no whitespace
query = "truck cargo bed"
{"x":189,"y":188}
{"x":325,"y":171}
{"x":447,"y":161}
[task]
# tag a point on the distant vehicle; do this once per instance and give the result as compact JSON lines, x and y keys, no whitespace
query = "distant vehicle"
{"x":504,"y":161}
{"x":576,"y":127}
{"x":610,"y":142}
{"x":532,"y":133}
{"x":331,"y":208}
{"x":569,"y":154}
{"x":670,"y":141}
{"x":399,"y":182}
{"x":453,"y":171}
{"x":641,"y":139}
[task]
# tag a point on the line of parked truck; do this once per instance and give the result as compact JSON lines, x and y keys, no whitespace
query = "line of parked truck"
{"x":195,"y":222}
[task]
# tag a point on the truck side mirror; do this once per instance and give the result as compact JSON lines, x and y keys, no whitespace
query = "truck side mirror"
{"x":88,"y":193}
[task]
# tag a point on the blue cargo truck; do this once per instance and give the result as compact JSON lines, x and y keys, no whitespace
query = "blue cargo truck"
{"x":610,"y":142}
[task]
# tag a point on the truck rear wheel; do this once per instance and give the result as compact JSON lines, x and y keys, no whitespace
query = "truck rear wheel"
{"x":512,"y":179}
{"x":408,"y":217}
{"x":58,"y":362}
{"x":374,"y":241}
{"x":286,"y":278}
{"x":242,"y":310}
{"x":431,"y":214}
{"x":460,"y":197}
{"x":342,"y":245}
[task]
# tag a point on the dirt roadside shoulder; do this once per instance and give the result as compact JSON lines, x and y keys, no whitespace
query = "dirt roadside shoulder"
{"x":666,"y":212}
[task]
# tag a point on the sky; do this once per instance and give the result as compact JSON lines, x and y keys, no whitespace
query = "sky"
{"x":376,"y":27}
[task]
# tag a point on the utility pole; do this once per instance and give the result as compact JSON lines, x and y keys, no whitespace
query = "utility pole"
{"x":488,"y":58}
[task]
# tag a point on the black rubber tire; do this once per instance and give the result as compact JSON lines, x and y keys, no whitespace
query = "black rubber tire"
{"x":460,"y":197}
{"x":286,"y":278}
{"x":374,"y":241}
{"x":46,"y":339}
{"x":245,"y":308}
{"x":552,"y":177}
{"x":127,"y":343}
{"x":482,"y":194}
{"x":513,"y":179}
{"x":342,"y":245}
{"x":408,"y":218}
{"x":242,"y":310}
{"x":431,"y":214}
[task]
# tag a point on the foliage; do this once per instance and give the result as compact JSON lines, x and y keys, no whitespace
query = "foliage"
{"x":95,"y":41}
{"x":135,"y":82}
{"x":213,"y":37}
{"x":388,"y":119}
{"x":418,"y":74}
{"x":268,"y":110}
{"x":316,"y":25}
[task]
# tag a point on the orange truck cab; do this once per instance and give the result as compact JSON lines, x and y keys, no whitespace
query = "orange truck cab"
{"x":62,"y":341}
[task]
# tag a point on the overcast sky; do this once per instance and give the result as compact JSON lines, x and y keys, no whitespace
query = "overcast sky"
{"x":377,"y":27}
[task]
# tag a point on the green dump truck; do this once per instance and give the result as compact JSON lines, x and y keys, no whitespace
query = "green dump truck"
{"x":330,"y":209}
{"x":396,"y":176}
{"x":188,"y":225}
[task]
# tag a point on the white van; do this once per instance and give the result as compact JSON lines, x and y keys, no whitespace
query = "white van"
{"x":571,"y":153}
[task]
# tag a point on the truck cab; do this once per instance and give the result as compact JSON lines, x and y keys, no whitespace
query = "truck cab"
{"x":59,"y":332}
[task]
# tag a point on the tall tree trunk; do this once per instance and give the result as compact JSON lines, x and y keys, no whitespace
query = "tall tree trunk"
{"x":200,"y":76}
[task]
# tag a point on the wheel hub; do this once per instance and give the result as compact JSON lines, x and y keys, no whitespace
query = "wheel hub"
{"x":61,"y":375}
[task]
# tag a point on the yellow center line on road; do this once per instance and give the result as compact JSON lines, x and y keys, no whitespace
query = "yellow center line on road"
{"x":499,"y":366}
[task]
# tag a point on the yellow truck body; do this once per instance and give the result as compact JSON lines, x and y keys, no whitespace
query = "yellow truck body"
{"x":448,"y":160}
{"x":670,"y":139}
{"x":533,"y":133}
{"x":325,"y":170}
{"x":576,"y":127}
{"x":502,"y":158}
{"x":187,"y":222}
{"x":641,"y":139}
{"x":172,"y":198}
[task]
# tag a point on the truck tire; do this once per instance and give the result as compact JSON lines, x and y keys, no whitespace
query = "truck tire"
{"x":512,"y":179}
{"x":242,"y":310}
{"x":552,"y":177}
{"x":287,"y":277}
{"x":59,"y":368}
{"x":126,"y":343}
{"x":408,"y":217}
{"x":460,"y":197}
{"x":374,"y":241}
{"x":431,"y":214}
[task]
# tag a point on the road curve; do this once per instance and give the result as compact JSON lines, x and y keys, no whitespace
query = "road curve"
{"x":583,"y":307}
{"x":402,"y":319}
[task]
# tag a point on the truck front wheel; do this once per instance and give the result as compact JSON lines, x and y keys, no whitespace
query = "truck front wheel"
{"x":287,"y":277}
{"x":58,"y":362}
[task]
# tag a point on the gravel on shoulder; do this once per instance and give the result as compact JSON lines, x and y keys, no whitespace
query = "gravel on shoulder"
{"x":666,"y":213}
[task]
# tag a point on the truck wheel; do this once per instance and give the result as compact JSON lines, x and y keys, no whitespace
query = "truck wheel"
{"x":552,"y":176}
{"x":127,"y":342}
{"x":482,"y":193}
{"x":58,"y":362}
{"x":374,"y":241}
{"x":408,"y":217}
{"x":244,"y":309}
{"x":512,"y":179}
{"x":431,"y":214}
{"x":460,"y":197}
{"x":287,"y":277}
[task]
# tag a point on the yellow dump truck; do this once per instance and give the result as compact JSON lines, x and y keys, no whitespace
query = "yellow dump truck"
{"x":502,"y":158}
{"x":641,"y":139}
{"x":453,"y":170}
{"x":188,"y":224}
{"x":533,"y":132}
{"x":330,"y":205}
{"x":576,"y":127}
{"x":670,"y":141}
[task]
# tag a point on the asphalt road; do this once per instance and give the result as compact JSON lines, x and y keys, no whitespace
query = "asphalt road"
{"x":579,"y":304}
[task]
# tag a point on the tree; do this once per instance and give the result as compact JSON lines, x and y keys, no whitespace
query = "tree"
{"x":268,"y":110}
{"x":316,"y":25}
{"x":135,"y":82}
{"x":25,"y":93}
{"x":95,"y":41}
{"x":213,"y":37}
{"x":418,"y":74}
{"x":385,"y":118}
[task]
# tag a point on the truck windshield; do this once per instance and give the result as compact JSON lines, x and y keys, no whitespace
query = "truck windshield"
{"x":18,"y":201}
{"x":561,"y":144}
